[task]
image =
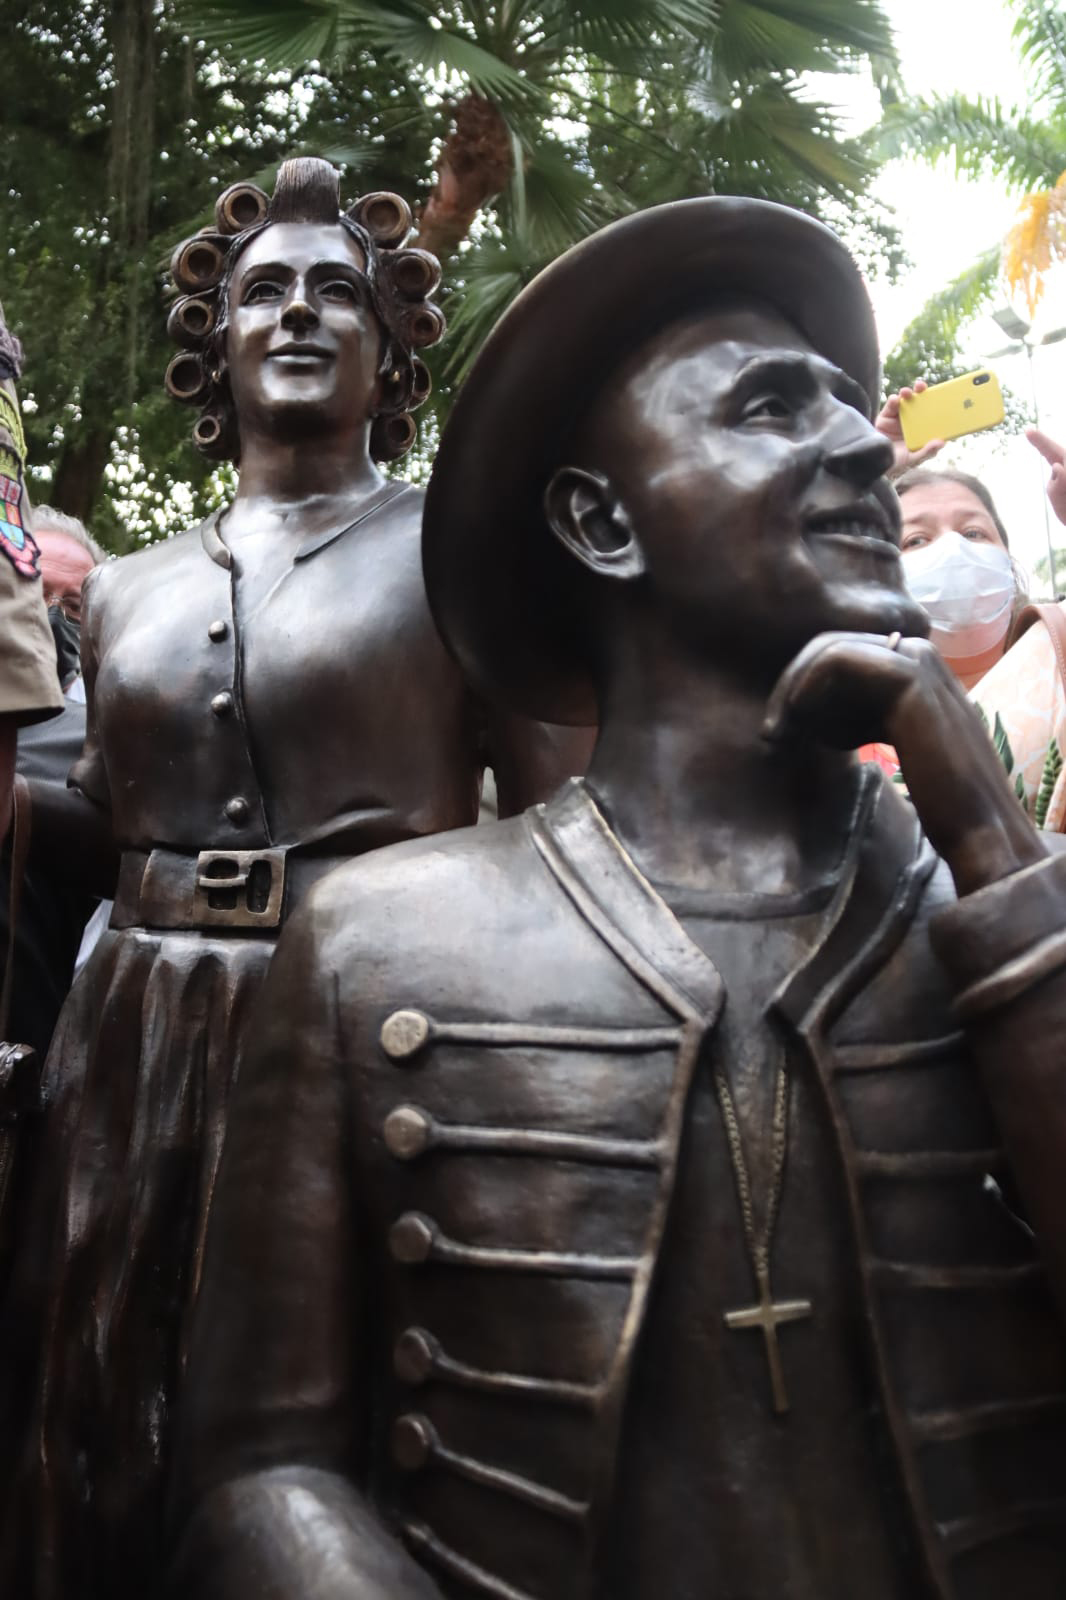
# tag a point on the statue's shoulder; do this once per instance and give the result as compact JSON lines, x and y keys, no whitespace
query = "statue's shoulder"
{"x":471,"y":892}
{"x":442,"y":872}
{"x":118,"y":589}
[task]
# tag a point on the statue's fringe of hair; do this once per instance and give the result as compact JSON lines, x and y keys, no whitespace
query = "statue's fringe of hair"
{"x":307,"y":190}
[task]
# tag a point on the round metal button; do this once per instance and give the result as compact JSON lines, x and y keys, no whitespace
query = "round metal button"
{"x":222,"y":704}
{"x":414,"y":1355}
{"x":411,"y":1238}
{"x":237,"y":810}
{"x":408,"y":1132}
{"x":414,"y":1439}
{"x":218,"y":630}
{"x":403,"y":1034}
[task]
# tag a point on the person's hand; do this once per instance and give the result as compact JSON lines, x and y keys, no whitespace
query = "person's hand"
{"x":850,"y":689}
{"x":888,"y":423}
{"x":1055,"y":456}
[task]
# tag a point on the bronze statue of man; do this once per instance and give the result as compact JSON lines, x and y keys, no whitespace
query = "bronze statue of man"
{"x":661,"y":1194}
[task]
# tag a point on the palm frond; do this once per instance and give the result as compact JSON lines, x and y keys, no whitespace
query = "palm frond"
{"x":1036,"y":242}
{"x":553,"y":201}
{"x":493,"y":274}
{"x":275,"y":33}
{"x":776,"y":146}
{"x":625,"y":33}
{"x":980,"y":136}
{"x":1040,"y":33}
{"x":290,"y":33}
{"x":799,"y":35}
{"x":932,"y":338}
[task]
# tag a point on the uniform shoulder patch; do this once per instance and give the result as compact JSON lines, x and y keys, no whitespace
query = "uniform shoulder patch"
{"x":16,"y":540}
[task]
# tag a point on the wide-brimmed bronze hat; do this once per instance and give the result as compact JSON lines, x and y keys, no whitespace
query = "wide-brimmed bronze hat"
{"x":494,"y":572}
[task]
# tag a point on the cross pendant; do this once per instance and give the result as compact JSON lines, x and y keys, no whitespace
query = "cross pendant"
{"x":765,"y":1316}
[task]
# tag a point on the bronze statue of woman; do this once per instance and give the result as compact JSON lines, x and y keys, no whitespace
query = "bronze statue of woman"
{"x":267,"y":695}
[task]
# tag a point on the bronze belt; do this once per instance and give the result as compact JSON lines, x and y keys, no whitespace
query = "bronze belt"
{"x":239,"y":889}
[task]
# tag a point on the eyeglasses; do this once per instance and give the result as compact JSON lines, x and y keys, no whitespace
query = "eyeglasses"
{"x":69,"y":604}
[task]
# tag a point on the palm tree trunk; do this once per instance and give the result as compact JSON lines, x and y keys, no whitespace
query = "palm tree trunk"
{"x":475,"y":164}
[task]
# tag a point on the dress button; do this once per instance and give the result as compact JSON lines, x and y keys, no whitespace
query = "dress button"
{"x":403,"y":1034}
{"x":222,"y":704}
{"x":415,"y":1355}
{"x":414,"y":1439}
{"x":411,"y":1239}
{"x":408,"y":1132}
{"x":218,"y":630}
{"x":237,"y":810}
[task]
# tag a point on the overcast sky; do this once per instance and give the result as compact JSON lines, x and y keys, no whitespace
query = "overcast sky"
{"x":965,"y":45}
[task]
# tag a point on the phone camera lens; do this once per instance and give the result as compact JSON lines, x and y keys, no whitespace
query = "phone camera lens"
{"x":982,"y":377}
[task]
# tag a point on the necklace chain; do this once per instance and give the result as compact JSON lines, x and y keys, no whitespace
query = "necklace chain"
{"x":757,"y":1240}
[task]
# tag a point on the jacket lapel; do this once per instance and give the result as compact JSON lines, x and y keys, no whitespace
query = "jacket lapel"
{"x":885,"y":868}
{"x":614,"y":897}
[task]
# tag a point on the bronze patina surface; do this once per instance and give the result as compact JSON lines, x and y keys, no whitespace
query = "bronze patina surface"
{"x":267,"y":695}
{"x":534,"y":1110}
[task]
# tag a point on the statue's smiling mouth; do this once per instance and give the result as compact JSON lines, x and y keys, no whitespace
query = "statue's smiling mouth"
{"x":292,"y":353}
{"x":861,"y":527}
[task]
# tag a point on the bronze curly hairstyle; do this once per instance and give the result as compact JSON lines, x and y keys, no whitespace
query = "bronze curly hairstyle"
{"x":401,"y":282}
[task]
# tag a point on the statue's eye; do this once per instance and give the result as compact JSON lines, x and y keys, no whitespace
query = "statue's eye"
{"x":264,"y":289}
{"x":340,"y":289}
{"x":772,"y":407}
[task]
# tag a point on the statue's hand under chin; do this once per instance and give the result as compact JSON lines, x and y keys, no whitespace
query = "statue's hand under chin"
{"x":848,"y":689}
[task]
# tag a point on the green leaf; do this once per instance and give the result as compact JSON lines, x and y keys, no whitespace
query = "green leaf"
{"x":1002,"y":745}
{"x":1048,"y":779}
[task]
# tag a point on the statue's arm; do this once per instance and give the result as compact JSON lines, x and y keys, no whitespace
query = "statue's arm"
{"x":73,"y":822}
{"x":1005,"y":949}
{"x":270,"y":1431}
{"x":1004,"y":942}
{"x":531,"y":759}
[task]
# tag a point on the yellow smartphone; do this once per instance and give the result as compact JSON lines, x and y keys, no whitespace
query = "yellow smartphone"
{"x":948,"y":410}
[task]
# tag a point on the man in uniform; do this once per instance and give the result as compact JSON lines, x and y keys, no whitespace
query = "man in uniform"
{"x":661,"y":1194}
{"x":29,"y":686}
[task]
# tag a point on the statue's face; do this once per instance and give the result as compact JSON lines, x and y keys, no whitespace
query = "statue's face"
{"x":303,"y":344}
{"x":753,"y":484}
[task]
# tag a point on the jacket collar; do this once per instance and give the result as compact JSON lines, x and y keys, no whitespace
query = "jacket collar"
{"x":220,"y":553}
{"x":885,"y":865}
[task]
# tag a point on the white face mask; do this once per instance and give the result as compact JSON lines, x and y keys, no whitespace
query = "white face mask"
{"x":967,"y":587}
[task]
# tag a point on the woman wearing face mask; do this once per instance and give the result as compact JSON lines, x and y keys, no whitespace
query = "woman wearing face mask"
{"x":1023,"y":695}
{"x":957,"y":563}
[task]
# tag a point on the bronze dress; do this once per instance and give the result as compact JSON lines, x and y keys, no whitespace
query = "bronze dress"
{"x":257,"y":749}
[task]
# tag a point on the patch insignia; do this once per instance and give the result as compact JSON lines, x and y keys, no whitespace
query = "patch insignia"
{"x":16,"y":541}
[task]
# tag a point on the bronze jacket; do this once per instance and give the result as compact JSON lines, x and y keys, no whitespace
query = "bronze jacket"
{"x":449,"y":1172}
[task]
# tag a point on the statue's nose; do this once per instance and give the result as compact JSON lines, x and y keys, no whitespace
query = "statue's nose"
{"x":861,"y":458}
{"x":299,"y":315}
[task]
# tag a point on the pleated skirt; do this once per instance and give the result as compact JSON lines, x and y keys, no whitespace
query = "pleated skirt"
{"x":97,"y":1322}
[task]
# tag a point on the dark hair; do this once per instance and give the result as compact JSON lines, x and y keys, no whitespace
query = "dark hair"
{"x":399,"y":283}
{"x":918,"y":477}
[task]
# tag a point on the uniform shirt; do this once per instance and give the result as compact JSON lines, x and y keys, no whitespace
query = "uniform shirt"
{"x":29,"y":683}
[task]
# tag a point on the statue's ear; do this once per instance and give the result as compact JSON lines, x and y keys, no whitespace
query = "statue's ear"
{"x":586,"y":516}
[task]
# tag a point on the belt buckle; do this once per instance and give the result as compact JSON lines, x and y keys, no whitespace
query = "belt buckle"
{"x":239,"y":888}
